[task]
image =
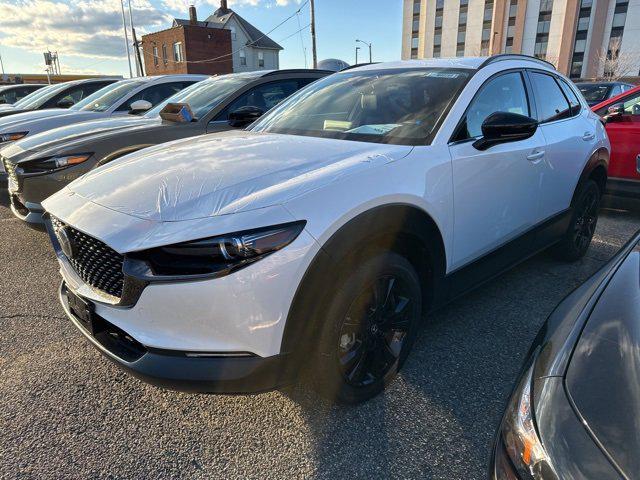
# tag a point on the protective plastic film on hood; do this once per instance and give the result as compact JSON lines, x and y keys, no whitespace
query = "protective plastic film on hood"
{"x":218,"y":175}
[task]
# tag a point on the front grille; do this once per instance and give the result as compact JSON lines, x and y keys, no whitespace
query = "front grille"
{"x":96,"y":263}
{"x":10,"y":168}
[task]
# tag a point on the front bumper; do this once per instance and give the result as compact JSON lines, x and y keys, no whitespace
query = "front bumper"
{"x":184,"y":371}
{"x":28,"y":212}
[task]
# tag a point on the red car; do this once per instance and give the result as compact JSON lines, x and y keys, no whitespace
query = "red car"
{"x":622,"y":115}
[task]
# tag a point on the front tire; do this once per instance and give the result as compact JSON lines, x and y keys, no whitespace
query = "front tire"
{"x":370,"y":326}
{"x":576,"y":241}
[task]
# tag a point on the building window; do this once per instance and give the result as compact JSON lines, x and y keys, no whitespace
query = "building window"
{"x":155,"y":55}
{"x":416,"y":7}
{"x":613,"y":66}
{"x":511,"y":26}
{"x":233,"y":33}
{"x":437,"y":33}
{"x":260,"y":59}
{"x":164,"y":53}
{"x":414,"y":42}
{"x":177,"y":52}
{"x":462,"y":27}
{"x":486,"y":28}
{"x":436,"y":51}
{"x":243,"y":58}
{"x":542,"y":32}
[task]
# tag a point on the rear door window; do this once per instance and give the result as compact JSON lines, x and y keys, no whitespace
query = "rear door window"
{"x":550,"y":101}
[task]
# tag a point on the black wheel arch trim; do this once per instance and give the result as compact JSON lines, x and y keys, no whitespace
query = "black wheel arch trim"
{"x":598,"y":159}
{"x":405,"y":224}
{"x":120,"y":152}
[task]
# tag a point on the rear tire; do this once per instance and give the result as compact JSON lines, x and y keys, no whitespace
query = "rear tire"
{"x":370,"y":326}
{"x":576,"y":241}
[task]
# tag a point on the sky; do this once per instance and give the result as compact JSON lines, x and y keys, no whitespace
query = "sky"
{"x":88,"y":35}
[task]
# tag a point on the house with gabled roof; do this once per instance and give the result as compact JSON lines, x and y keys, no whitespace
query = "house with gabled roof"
{"x":224,"y":42}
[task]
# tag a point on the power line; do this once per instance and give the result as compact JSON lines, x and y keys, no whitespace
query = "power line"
{"x":217,"y":59}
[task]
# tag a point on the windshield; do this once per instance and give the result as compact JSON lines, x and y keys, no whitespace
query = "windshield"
{"x":384,"y":106}
{"x":108,"y":96}
{"x":594,"y":93}
{"x":202,"y":97}
{"x":33,"y":100}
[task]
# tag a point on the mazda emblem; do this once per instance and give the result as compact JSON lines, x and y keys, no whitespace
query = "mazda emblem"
{"x":66,"y":242}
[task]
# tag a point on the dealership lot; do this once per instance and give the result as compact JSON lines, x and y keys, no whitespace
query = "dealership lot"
{"x":65,"y":411}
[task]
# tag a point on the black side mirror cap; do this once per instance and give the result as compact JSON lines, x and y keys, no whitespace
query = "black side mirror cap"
{"x":503,"y":127}
{"x":244,"y":116}
{"x":65,"y":103}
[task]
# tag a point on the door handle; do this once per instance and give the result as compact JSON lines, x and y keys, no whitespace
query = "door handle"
{"x":535,"y":155}
{"x":586,"y":136}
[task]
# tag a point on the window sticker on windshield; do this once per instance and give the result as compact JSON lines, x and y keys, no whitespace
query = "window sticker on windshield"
{"x":374,"y":129}
{"x":442,"y":74}
{"x":337,"y":125}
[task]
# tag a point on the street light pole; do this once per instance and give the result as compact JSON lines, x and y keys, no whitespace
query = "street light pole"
{"x":357,"y":48}
{"x":1,"y":64}
{"x":314,"y":52}
{"x":133,"y":35}
{"x":369,"y":45}
{"x":126,"y":38}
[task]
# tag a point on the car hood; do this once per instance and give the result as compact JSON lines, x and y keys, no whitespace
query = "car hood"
{"x":37,"y":121}
{"x":225,"y":173}
{"x":52,"y":141}
{"x":603,"y":377}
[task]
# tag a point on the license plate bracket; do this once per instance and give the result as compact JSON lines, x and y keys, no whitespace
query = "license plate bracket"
{"x":83,"y":310}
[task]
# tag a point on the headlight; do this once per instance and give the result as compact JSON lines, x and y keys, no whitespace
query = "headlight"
{"x":12,"y":137}
{"x":218,"y":256}
{"x":54,"y":163}
{"x":519,"y":440}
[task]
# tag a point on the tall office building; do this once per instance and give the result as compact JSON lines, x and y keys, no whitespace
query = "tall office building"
{"x":583,"y":38}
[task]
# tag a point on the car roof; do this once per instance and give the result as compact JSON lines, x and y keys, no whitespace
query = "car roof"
{"x":169,"y":78}
{"x":607,"y":84}
{"x":471,"y":63}
{"x":91,"y":80}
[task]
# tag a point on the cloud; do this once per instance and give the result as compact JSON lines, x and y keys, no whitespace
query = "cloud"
{"x":86,"y":28}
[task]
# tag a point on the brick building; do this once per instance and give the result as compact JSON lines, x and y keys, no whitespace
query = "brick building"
{"x":223,"y":43}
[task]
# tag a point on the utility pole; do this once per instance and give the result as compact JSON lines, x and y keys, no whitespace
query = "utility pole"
{"x":369,"y":45}
{"x":126,"y":38}
{"x":357,"y":48}
{"x":1,"y":64}
{"x":135,"y":42}
{"x":313,"y":34}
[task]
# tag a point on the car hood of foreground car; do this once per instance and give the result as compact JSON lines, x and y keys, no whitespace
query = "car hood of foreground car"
{"x":603,"y":378}
{"x":51,"y":142}
{"x":225,"y":173}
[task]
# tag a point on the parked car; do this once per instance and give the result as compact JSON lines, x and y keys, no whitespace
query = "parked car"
{"x":622,"y":116}
{"x":136,"y":95}
{"x":596,"y":92}
{"x":316,"y":240}
{"x":59,"y":95}
{"x":10,"y":94}
{"x":34,"y":161}
{"x":573,"y":413}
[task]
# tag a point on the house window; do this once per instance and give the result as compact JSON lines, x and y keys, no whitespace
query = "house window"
{"x":177,"y":52}
{"x":243,"y":58}
{"x":155,"y":55}
{"x":164,"y":53}
{"x":261,"y":59}
{"x":233,"y":32}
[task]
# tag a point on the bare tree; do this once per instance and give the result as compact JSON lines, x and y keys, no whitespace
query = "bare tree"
{"x":617,"y":63}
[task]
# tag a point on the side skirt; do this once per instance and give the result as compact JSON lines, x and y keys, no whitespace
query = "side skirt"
{"x":503,"y":258}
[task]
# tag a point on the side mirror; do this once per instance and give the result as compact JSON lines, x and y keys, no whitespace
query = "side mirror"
{"x":244,"y":116}
{"x":140,"y":106}
{"x":503,"y":127}
{"x":614,"y":113}
{"x":65,"y":102}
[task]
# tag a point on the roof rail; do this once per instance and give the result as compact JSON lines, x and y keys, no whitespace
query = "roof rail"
{"x":357,"y":65}
{"x":296,"y":70}
{"x":514,"y":56}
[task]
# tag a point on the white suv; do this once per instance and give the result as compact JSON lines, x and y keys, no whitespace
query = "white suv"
{"x":325,"y":234}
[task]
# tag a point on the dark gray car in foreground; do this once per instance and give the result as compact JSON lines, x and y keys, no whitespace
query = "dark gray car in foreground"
{"x":575,"y":413}
{"x":42,"y":164}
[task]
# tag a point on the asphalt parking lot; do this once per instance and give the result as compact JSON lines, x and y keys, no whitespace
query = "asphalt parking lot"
{"x":66,"y":412}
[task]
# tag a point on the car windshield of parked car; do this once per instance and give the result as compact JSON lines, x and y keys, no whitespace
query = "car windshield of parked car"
{"x":383,"y":106}
{"x":107,"y":97}
{"x":37,"y":98}
{"x":594,"y":93}
{"x":202,"y":97}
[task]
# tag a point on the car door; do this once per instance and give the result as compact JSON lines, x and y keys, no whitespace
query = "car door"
{"x":496,"y":190}
{"x":624,"y":135}
{"x":570,"y":137}
{"x":264,"y":96}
